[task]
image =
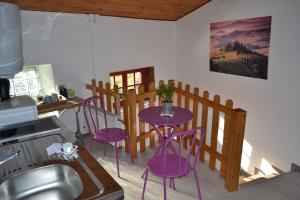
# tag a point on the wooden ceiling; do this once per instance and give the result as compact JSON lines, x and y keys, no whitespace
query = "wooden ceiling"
{"x":141,"y":9}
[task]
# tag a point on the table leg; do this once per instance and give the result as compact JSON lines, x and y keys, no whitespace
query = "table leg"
{"x":170,"y":134}
{"x":165,"y":135}
{"x":78,"y":133}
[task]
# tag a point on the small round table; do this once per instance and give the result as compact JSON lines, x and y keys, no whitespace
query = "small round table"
{"x":152,"y":116}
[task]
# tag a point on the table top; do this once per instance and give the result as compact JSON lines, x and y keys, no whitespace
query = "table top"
{"x":60,"y":105}
{"x":152,"y":116}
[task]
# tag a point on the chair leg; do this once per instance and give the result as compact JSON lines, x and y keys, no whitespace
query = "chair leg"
{"x":197,"y":184}
{"x":91,"y":143}
{"x":104,"y":152}
{"x":165,"y":187}
{"x":172,"y":183}
{"x":145,"y":182}
{"x":143,"y":176}
{"x":117,"y":158}
{"x":128,"y":141}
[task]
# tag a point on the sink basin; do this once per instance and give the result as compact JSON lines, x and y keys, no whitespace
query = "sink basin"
{"x":55,"y":182}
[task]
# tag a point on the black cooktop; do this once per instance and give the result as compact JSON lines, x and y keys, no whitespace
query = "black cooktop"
{"x":41,"y":125}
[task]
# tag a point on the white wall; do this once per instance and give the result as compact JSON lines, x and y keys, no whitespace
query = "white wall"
{"x":272,"y":126}
{"x":75,"y":43}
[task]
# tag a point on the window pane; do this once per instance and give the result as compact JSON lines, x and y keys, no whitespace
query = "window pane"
{"x":111,"y":81}
{"x":138,"y":77}
{"x":33,"y":85}
{"x":21,"y":75}
{"x":31,"y":74}
{"x":130,"y":80}
{"x":131,"y":87}
{"x":21,"y":86}
{"x":119,"y":80}
{"x":137,"y":89}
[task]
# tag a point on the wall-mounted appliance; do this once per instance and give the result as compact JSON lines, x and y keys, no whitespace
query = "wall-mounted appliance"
{"x":16,"y":109}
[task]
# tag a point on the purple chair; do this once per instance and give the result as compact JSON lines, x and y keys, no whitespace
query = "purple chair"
{"x":104,"y":135}
{"x":172,"y":165}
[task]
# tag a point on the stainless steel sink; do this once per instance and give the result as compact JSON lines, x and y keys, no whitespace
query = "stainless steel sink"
{"x":55,"y":182}
{"x":24,"y":178}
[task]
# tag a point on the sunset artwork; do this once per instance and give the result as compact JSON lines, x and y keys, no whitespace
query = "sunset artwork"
{"x":241,"y":47}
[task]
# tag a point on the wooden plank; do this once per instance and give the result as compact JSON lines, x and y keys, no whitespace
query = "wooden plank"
{"x":161,"y":82}
{"x":100,"y":93}
{"x":94,"y":87}
{"x":236,"y":137}
{"x":142,"y":124}
{"x":195,"y":112}
{"x":220,"y":107}
{"x":204,"y":122}
{"x":195,"y":107}
{"x":225,"y":146}
{"x":146,"y":135}
{"x":126,"y":120}
{"x":60,"y":105}
{"x":117,"y":100}
{"x":108,"y":97}
{"x":186,"y":106}
{"x":151,"y":92}
{"x":171,"y":82}
{"x":132,"y":122}
{"x":179,"y":95}
{"x":214,"y":135}
{"x":206,"y":148}
{"x":153,"y":10}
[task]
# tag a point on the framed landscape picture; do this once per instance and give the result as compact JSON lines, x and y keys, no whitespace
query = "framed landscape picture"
{"x":241,"y":47}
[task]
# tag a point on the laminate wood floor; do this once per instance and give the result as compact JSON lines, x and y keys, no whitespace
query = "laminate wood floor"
{"x":212,"y":186}
{"x":283,"y":187}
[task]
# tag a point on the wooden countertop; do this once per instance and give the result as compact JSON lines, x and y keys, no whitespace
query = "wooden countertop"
{"x":60,"y":105}
{"x":110,"y":185}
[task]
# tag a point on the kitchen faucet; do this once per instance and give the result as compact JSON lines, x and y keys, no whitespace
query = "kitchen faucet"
{"x":8,"y":157}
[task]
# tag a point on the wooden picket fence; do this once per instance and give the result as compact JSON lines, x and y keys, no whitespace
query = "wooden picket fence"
{"x":233,"y":129}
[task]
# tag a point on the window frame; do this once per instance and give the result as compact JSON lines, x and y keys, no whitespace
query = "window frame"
{"x":124,"y":78}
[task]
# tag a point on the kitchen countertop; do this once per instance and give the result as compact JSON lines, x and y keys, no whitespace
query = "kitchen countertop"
{"x":99,"y":185}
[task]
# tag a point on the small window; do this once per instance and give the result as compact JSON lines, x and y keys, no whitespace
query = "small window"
{"x":26,"y":82}
{"x":31,"y":81}
{"x":131,"y":79}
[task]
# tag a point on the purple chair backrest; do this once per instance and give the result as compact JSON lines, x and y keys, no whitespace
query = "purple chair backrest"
{"x":92,"y":110}
{"x":192,"y":134}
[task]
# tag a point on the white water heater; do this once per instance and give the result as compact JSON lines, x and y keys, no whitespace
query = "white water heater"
{"x":11,"y":51}
{"x":22,"y":108}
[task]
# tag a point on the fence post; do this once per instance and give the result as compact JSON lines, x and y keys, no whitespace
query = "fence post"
{"x":236,"y":136}
{"x":225,"y":146}
{"x":214,"y":134}
{"x":141,"y":90}
{"x":151,"y":88}
{"x":132,"y":122}
{"x":94,"y":87}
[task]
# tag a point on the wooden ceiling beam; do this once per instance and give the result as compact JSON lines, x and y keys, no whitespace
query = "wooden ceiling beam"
{"x":142,"y":9}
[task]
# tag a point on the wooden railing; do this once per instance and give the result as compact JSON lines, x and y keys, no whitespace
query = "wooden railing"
{"x":232,"y":132}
